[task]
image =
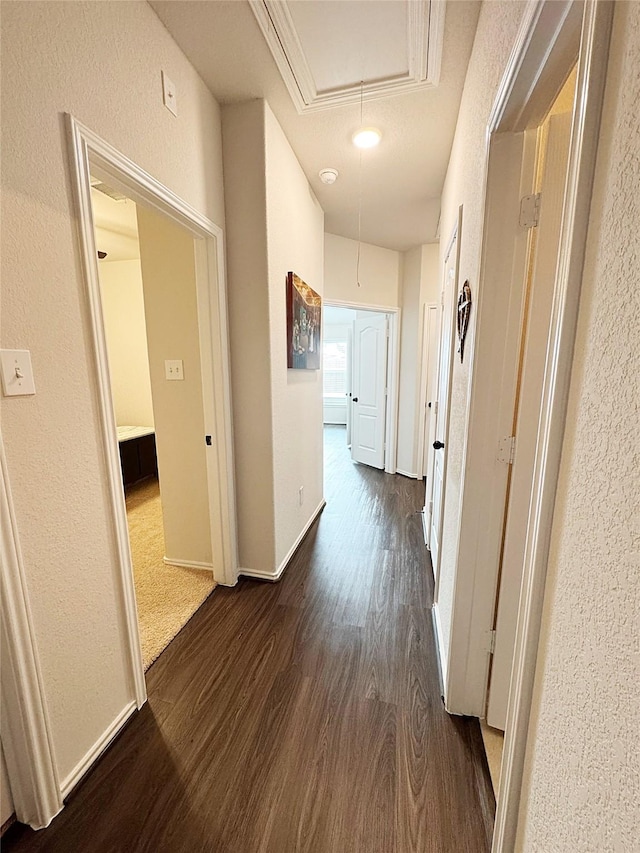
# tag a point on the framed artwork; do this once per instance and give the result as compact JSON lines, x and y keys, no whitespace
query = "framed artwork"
{"x":304,"y":316}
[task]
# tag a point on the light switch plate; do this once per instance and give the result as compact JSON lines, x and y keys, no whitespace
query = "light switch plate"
{"x":169,"y":97}
{"x":174,"y":369}
{"x":17,"y":373}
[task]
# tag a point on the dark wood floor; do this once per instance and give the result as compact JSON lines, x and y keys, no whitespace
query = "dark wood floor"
{"x":299,"y":716}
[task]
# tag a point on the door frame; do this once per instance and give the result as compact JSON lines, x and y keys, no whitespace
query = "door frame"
{"x":393,"y":374}
{"x":552,"y":35}
{"x":532,"y":54}
{"x":90,"y":153}
{"x":422,"y":437}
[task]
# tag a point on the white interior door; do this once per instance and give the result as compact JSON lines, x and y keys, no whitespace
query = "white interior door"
{"x":369,"y":403}
{"x":349,"y":382}
{"x":440,"y":408}
{"x":425,"y":445}
{"x":527,"y":413}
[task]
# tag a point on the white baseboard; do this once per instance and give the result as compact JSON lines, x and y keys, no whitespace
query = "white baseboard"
{"x":441,"y":654}
{"x":87,"y":762}
{"x":187,"y":564}
{"x":275,"y":576}
{"x":406,"y":474}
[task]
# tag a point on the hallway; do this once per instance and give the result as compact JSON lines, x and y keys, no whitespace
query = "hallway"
{"x":298,"y":716}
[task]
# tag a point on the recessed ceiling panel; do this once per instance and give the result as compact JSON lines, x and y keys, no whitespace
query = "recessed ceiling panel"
{"x":336,"y":40}
{"x":328,"y":52}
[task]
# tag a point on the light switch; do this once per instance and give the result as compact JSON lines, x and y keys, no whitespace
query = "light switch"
{"x":174,"y":369}
{"x":17,"y":373}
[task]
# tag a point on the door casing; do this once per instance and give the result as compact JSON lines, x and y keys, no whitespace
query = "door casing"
{"x":393,"y":369}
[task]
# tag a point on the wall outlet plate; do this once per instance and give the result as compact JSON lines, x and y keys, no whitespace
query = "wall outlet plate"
{"x":174,"y":369}
{"x":169,"y":95}
{"x":17,"y":373}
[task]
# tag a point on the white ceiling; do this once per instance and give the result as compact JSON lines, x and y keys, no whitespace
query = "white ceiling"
{"x":116,"y":227}
{"x":402,"y":178}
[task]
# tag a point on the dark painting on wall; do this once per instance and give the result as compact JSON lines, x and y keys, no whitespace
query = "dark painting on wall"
{"x":304,"y":314}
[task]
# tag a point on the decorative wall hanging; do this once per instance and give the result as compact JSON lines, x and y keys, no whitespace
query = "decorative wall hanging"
{"x":304,"y":315}
{"x":464,"y":310}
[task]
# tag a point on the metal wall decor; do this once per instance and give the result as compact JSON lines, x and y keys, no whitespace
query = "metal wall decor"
{"x":304,"y":316}
{"x":464,"y":310}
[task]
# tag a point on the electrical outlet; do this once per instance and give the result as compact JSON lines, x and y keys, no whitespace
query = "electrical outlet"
{"x":174,"y":369}
{"x":169,"y":96}
{"x":301,"y":494}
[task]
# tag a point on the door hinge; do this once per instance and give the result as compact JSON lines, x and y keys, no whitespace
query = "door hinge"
{"x":435,"y":408}
{"x":507,"y":449}
{"x":530,"y":211}
{"x":492,"y":642}
{"x":386,"y":392}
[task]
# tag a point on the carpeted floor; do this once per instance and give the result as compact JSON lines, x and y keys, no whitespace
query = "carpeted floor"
{"x":167,"y":596}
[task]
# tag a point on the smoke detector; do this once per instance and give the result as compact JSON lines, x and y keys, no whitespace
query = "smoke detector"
{"x":328,"y":176}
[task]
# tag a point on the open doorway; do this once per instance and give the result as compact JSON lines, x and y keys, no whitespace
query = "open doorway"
{"x":149,"y":306}
{"x":540,"y":166}
{"x":359,"y":382}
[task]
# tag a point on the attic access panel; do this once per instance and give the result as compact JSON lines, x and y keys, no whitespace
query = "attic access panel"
{"x":324,"y":50}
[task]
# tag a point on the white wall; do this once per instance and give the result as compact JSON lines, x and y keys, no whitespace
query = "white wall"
{"x":581,"y":785}
{"x":586,"y":709}
{"x":274,"y":225}
{"x":101,"y":62}
{"x":380,"y":273}
{"x":123,"y":312}
{"x":295,"y":228}
{"x":420,"y":285}
{"x":168,"y":266}
{"x":244,"y":181}
{"x":497,"y":28}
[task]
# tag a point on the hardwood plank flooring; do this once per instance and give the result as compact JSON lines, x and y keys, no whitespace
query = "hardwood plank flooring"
{"x":298,"y":717}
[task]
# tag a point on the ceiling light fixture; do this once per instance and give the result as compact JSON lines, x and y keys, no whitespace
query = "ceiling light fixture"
{"x":366,"y":137}
{"x":328,"y":176}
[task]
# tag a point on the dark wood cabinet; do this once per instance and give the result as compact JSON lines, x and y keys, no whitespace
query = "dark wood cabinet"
{"x":138,"y":458}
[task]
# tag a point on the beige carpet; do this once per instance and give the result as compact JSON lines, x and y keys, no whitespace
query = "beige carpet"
{"x":167,"y":596}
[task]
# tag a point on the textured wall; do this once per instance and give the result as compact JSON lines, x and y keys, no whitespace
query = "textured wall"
{"x":247,"y":275}
{"x":464,"y":184}
{"x":274,"y":225}
{"x":380,"y":272}
{"x":167,"y":258}
{"x":409,"y":360}
{"x":295,"y":239}
{"x":126,"y":333}
{"x":582,"y":784}
{"x":101,"y":62}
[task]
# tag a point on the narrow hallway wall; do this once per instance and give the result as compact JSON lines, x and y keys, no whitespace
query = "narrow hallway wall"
{"x":81,"y":58}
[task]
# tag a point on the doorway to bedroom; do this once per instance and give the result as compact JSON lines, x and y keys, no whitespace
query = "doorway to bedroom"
{"x":149,"y":308}
{"x":359,"y":361}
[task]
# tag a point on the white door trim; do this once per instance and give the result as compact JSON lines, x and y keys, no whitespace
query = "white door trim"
{"x":91,"y":153}
{"x":592,"y":66}
{"x":422,"y":438}
{"x":393,"y":374}
{"x":26,"y":732}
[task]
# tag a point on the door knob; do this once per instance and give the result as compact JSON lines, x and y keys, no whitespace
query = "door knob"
{"x":355,"y":399}
{"x":438,"y":445}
